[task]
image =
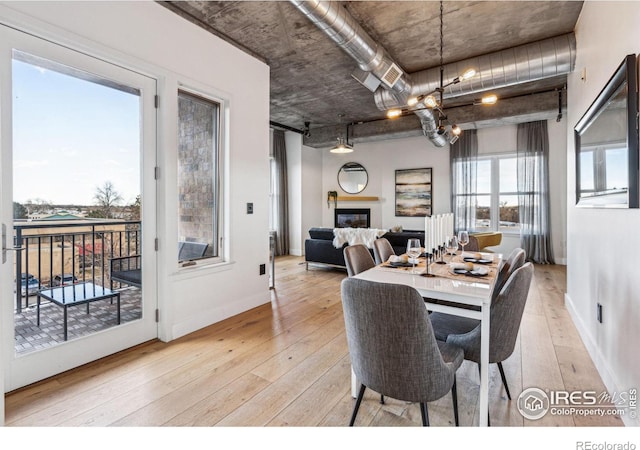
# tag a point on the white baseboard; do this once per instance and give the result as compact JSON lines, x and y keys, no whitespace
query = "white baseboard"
{"x":295,"y":252}
{"x":596,"y":355}
{"x":210,"y":317}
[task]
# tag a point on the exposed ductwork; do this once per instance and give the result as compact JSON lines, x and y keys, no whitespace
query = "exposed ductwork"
{"x":530,"y":62}
{"x":332,"y":18}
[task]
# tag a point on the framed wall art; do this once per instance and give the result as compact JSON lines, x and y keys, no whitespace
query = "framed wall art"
{"x":413,"y":192}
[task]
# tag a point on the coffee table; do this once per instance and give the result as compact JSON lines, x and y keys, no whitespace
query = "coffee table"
{"x":76,"y":294}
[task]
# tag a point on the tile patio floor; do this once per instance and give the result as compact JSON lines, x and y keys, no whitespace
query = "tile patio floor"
{"x":102,"y":315}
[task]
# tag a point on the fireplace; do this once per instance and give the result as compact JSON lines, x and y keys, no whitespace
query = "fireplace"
{"x":352,"y":217}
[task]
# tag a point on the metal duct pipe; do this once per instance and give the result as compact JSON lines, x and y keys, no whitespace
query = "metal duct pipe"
{"x":343,"y":29}
{"x":529,"y":62}
{"x":336,"y":22}
{"x":430,"y":127}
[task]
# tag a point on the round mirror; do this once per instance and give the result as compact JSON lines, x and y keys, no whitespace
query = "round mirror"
{"x":352,"y":178}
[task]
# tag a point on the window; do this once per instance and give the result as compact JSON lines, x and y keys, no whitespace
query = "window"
{"x":496,"y":193}
{"x":508,"y":214}
{"x":199,"y":179}
{"x":604,"y":170}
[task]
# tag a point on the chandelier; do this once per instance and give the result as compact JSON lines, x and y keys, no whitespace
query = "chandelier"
{"x":434,"y":100}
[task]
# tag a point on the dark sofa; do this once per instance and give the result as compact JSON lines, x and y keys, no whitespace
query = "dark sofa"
{"x":319,"y":249}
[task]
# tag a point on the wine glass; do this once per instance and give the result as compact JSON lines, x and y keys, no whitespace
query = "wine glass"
{"x":463,"y":239}
{"x":413,"y":251}
{"x":452,"y":246}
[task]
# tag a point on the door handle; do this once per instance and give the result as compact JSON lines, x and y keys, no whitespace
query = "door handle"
{"x":4,"y":245}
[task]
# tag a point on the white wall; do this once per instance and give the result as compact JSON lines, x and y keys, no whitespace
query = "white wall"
{"x":147,"y":37}
{"x":381,"y":159}
{"x":602,"y":244}
{"x":311,"y":189}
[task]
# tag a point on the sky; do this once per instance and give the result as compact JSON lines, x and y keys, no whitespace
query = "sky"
{"x":71,"y":136}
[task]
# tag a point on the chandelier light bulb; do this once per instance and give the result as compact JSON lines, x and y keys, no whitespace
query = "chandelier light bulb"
{"x":489,"y":99}
{"x":393,"y":113}
{"x":469,"y":73}
{"x":412,"y":101}
{"x":455,"y":129}
{"x":430,"y":102}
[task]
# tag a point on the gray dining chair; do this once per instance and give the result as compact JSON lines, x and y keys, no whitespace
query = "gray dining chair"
{"x":515,"y":259}
{"x":357,"y":259}
{"x":505,"y":318}
{"x":382,"y":249}
{"x":392,"y":346}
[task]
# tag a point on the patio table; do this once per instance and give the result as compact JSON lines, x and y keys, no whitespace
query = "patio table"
{"x":76,"y":294}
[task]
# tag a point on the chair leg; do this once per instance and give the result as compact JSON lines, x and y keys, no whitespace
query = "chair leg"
{"x":425,"y":414}
{"x":382,"y":399}
{"x":504,"y":380}
{"x":357,"y":405}
{"x":454,"y":395}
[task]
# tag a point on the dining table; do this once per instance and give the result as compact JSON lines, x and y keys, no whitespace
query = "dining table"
{"x":448,"y":288}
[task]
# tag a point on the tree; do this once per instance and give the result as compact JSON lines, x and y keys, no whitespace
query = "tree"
{"x":37,"y":205}
{"x":133,"y":210}
{"x":107,"y":198}
{"x":19,"y":211}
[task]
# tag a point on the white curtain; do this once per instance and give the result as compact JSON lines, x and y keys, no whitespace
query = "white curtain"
{"x":533,"y":191}
{"x":463,"y":158}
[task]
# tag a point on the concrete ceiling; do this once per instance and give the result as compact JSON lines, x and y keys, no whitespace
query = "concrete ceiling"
{"x":311,"y":76}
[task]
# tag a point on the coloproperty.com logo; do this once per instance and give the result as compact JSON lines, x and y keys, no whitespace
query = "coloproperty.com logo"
{"x":535,"y":403}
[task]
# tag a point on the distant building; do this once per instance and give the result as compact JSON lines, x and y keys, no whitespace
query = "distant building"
{"x":60,"y":215}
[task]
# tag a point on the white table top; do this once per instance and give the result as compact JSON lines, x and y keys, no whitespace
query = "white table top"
{"x":440,"y":288}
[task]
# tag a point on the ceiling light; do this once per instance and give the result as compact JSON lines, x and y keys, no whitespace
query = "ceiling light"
{"x":430,"y":101}
{"x":469,"y":73}
{"x":452,"y":133}
{"x":489,"y":99}
{"x":393,"y":113}
{"x":341,"y":147}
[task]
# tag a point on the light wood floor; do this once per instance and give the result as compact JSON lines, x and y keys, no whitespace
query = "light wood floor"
{"x":287,"y":364}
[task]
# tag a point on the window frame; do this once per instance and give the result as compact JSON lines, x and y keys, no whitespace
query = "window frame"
{"x":218,"y":182}
{"x":494,"y":194}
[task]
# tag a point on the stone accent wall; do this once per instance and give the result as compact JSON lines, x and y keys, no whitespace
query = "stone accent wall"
{"x":196,"y":163}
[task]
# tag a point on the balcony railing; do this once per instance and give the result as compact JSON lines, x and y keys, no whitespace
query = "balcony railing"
{"x":78,"y":250}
